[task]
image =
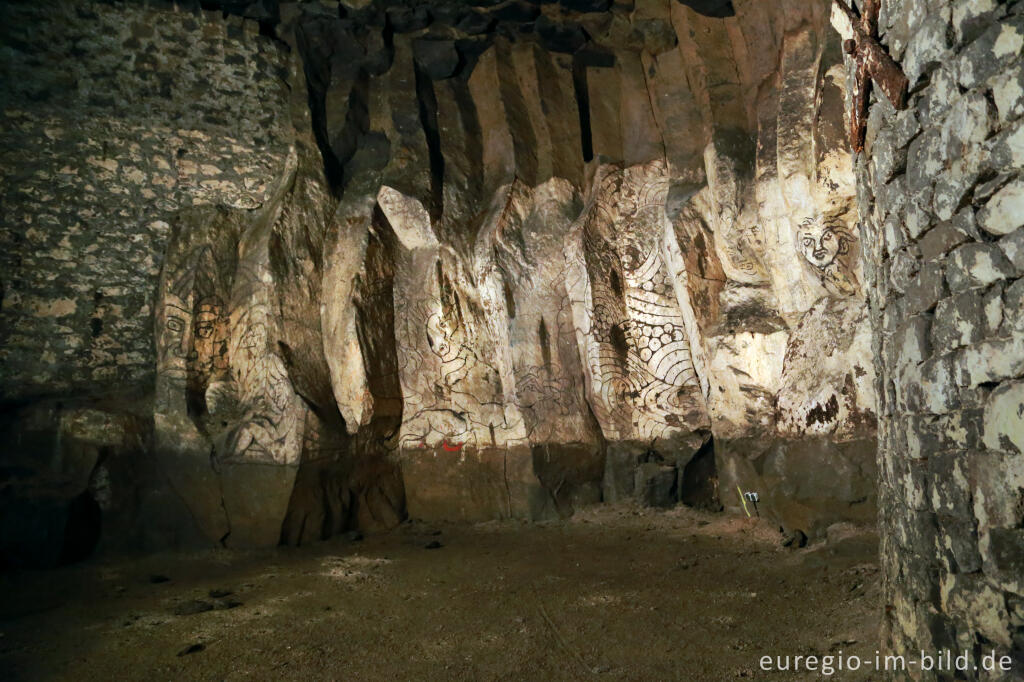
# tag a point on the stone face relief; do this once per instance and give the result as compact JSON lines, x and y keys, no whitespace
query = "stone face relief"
{"x":190,"y":327}
{"x":210,"y":351}
{"x":173,"y":342}
{"x":215,"y":367}
{"x":831,"y":249}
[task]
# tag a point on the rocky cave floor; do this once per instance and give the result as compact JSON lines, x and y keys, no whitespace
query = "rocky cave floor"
{"x":616,"y":592}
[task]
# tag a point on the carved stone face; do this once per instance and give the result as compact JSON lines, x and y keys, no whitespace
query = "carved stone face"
{"x":210,"y":336}
{"x":173,"y":340}
{"x":207,"y":319}
{"x":827,"y":245}
{"x":822,"y":246}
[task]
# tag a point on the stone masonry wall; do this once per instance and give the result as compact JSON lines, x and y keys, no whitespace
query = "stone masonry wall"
{"x":112,"y":118}
{"x":942,"y":209}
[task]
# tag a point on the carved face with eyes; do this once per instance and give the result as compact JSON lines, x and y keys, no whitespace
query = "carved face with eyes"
{"x":827,"y":245}
{"x":173,"y":338}
{"x":207,"y":318}
{"x":822,"y":245}
{"x":209,"y":337}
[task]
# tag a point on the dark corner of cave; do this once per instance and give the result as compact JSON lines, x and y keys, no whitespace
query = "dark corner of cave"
{"x":512,"y":339}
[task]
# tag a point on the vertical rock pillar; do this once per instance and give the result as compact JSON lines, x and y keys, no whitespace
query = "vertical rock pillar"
{"x":942,"y":216}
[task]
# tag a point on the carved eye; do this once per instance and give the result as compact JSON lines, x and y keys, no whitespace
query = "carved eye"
{"x":808,"y":242}
{"x":827,"y":237}
{"x":175,"y":325}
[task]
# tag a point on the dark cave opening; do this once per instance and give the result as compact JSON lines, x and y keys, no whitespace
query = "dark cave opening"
{"x":82,"y":532}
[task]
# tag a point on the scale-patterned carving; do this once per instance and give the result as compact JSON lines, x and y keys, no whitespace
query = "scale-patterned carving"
{"x":643,"y":382}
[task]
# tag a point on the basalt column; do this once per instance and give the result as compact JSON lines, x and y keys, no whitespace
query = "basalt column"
{"x":942,"y":213}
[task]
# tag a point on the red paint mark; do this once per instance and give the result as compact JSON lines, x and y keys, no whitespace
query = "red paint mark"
{"x":452,"y":448}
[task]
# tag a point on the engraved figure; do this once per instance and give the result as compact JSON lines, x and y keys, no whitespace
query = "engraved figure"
{"x":455,"y":356}
{"x":209,"y":354}
{"x":261,"y":390}
{"x":173,"y":340}
{"x":828,"y":246}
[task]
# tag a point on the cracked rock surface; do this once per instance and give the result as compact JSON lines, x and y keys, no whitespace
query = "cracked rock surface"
{"x":289,"y":269}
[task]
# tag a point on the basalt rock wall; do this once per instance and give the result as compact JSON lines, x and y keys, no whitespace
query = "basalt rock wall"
{"x":452,"y":262}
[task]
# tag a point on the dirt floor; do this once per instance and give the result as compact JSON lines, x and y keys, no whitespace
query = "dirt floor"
{"x":614,"y":593}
